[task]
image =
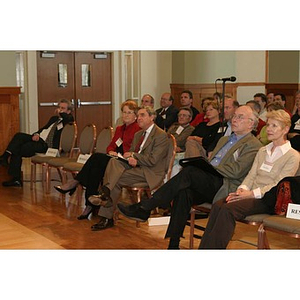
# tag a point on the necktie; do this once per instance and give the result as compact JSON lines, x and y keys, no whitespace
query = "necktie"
{"x":163,"y":112}
{"x":138,"y":145}
{"x":49,"y":139}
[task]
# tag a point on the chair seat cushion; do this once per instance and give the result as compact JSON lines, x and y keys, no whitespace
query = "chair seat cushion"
{"x":283,"y":223}
{"x":139,"y":185}
{"x":258,"y":218}
{"x":73,"y":166}
{"x":40,"y":159}
{"x":60,"y":161}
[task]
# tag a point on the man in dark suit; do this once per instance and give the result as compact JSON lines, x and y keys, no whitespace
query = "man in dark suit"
{"x":232,"y":158}
{"x":146,"y":164}
{"x":166,"y":115}
{"x":26,"y":145}
{"x":186,"y":100}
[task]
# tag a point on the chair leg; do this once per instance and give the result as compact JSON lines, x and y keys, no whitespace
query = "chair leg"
{"x":139,"y":196}
{"x":262,"y":242}
{"x":48,"y":179}
{"x":192,"y":228}
{"x":32,"y":175}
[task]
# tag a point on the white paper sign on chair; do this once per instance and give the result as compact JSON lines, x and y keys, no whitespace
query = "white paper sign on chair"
{"x":82,"y":158}
{"x":293,"y":211}
{"x":52,"y":152}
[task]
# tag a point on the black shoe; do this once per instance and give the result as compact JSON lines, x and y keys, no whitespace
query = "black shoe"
{"x":13,"y":182}
{"x":85,"y":214}
{"x":70,"y":191}
{"x":134,"y":212}
{"x":104,"y":223}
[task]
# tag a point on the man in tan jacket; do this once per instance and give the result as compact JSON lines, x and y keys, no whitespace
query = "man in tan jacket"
{"x":232,"y":158}
{"x":145,"y":163}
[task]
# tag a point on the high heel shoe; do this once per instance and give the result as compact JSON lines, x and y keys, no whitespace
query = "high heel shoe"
{"x":85,"y":214}
{"x":70,"y":191}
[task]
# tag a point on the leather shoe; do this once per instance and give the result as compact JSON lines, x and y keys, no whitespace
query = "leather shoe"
{"x":85,"y":214}
{"x":104,"y":223}
{"x":69,"y":187}
{"x":134,"y":212}
{"x":102,"y":199}
{"x":70,"y":191}
{"x":13,"y":182}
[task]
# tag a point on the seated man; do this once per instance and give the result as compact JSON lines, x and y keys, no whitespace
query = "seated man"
{"x":182,"y":129}
{"x":146,"y":163}
{"x":232,"y":158}
{"x":26,"y":145}
{"x":166,"y":115}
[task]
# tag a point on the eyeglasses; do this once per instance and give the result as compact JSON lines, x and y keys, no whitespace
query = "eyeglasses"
{"x":127,"y":112}
{"x":182,"y":115}
{"x":240,"y":117}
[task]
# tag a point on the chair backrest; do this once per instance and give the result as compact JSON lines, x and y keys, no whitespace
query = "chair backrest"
{"x":103,"y":139}
{"x":68,"y":139}
{"x":87,"y":139}
{"x":171,"y":155}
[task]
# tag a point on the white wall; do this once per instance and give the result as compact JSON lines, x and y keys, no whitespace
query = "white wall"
{"x":156,"y":73}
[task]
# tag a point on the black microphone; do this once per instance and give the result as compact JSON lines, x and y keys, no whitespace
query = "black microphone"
{"x":232,"y":79}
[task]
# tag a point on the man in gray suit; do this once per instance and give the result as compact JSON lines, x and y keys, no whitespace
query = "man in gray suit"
{"x":145,"y":163}
{"x":232,"y":158}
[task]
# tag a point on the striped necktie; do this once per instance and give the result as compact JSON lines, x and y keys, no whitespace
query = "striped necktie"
{"x":49,"y":139}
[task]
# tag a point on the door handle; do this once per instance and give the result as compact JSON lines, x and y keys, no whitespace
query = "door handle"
{"x":78,"y":103}
{"x":87,"y":103}
{"x":44,"y":104}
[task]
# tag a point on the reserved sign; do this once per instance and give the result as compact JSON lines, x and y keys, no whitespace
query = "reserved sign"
{"x":52,"y":152}
{"x":293,"y":211}
{"x":82,"y":158}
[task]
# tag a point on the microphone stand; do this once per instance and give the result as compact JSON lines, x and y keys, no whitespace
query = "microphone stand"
{"x":223,"y":105}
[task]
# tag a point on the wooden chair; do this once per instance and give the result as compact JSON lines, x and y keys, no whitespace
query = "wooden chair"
{"x":86,"y":146}
{"x":205,"y":208}
{"x":137,"y":190}
{"x":73,"y":167}
{"x":280,"y":225}
{"x":66,"y":148}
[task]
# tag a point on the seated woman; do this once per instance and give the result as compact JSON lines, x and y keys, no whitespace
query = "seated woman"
{"x":262,"y":136}
{"x":93,"y":170}
{"x":271,"y":164}
{"x":205,"y":132}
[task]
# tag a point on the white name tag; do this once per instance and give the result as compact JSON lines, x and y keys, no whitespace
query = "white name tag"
{"x":119,"y":142}
{"x":59,"y":126}
{"x":297,"y":127}
{"x":82,"y":158}
{"x":179,"y":130}
{"x":52,"y":152}
{"x":164,"y":116}
{"x":293,"y":211}
{"x":266,"y":167}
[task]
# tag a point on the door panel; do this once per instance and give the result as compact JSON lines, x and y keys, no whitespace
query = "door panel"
{"x":49,"y":90}
{"x":84,"y":77}
{"x":93,"y":95}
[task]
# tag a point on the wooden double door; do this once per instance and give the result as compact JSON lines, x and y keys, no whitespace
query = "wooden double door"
{"x":81,"y":77}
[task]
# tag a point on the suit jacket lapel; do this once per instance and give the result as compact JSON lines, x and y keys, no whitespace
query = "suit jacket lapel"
{"x":149,"y":138}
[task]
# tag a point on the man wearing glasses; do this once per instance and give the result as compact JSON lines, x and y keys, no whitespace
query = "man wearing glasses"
{"x":232,"y":158}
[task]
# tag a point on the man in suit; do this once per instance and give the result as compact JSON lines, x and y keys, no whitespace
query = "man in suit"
{"x":26,"y":145}
{"x":166,"y":115}
{"x":145,"y":164}
{"x":232,"y":158}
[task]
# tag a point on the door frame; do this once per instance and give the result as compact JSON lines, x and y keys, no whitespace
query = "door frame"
{"x":30,"y":112}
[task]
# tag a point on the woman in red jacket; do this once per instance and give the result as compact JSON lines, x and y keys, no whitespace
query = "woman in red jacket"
{"x":93,"y":170}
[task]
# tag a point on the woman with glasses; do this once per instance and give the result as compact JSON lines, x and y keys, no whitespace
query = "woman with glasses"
{"x":93,"y":170}
{"x":272,"y":163}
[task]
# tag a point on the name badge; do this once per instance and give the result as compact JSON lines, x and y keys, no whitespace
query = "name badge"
{"x":220,"y":130}
{"x":297,"y":127}
{"x":52,"y":152}
{"x":179,"y":130}
{"x":82,"y":158}
{"x":164,"y":116}
{"x":119,"y":142}
{"x":266,"y":167}
{"x":59,"y":126}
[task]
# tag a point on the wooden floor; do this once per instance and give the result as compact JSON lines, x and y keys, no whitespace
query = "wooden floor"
{"x":30,"y":219}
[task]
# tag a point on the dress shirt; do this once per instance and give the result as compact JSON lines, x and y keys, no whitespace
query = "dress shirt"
{"x":147,"y":132}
